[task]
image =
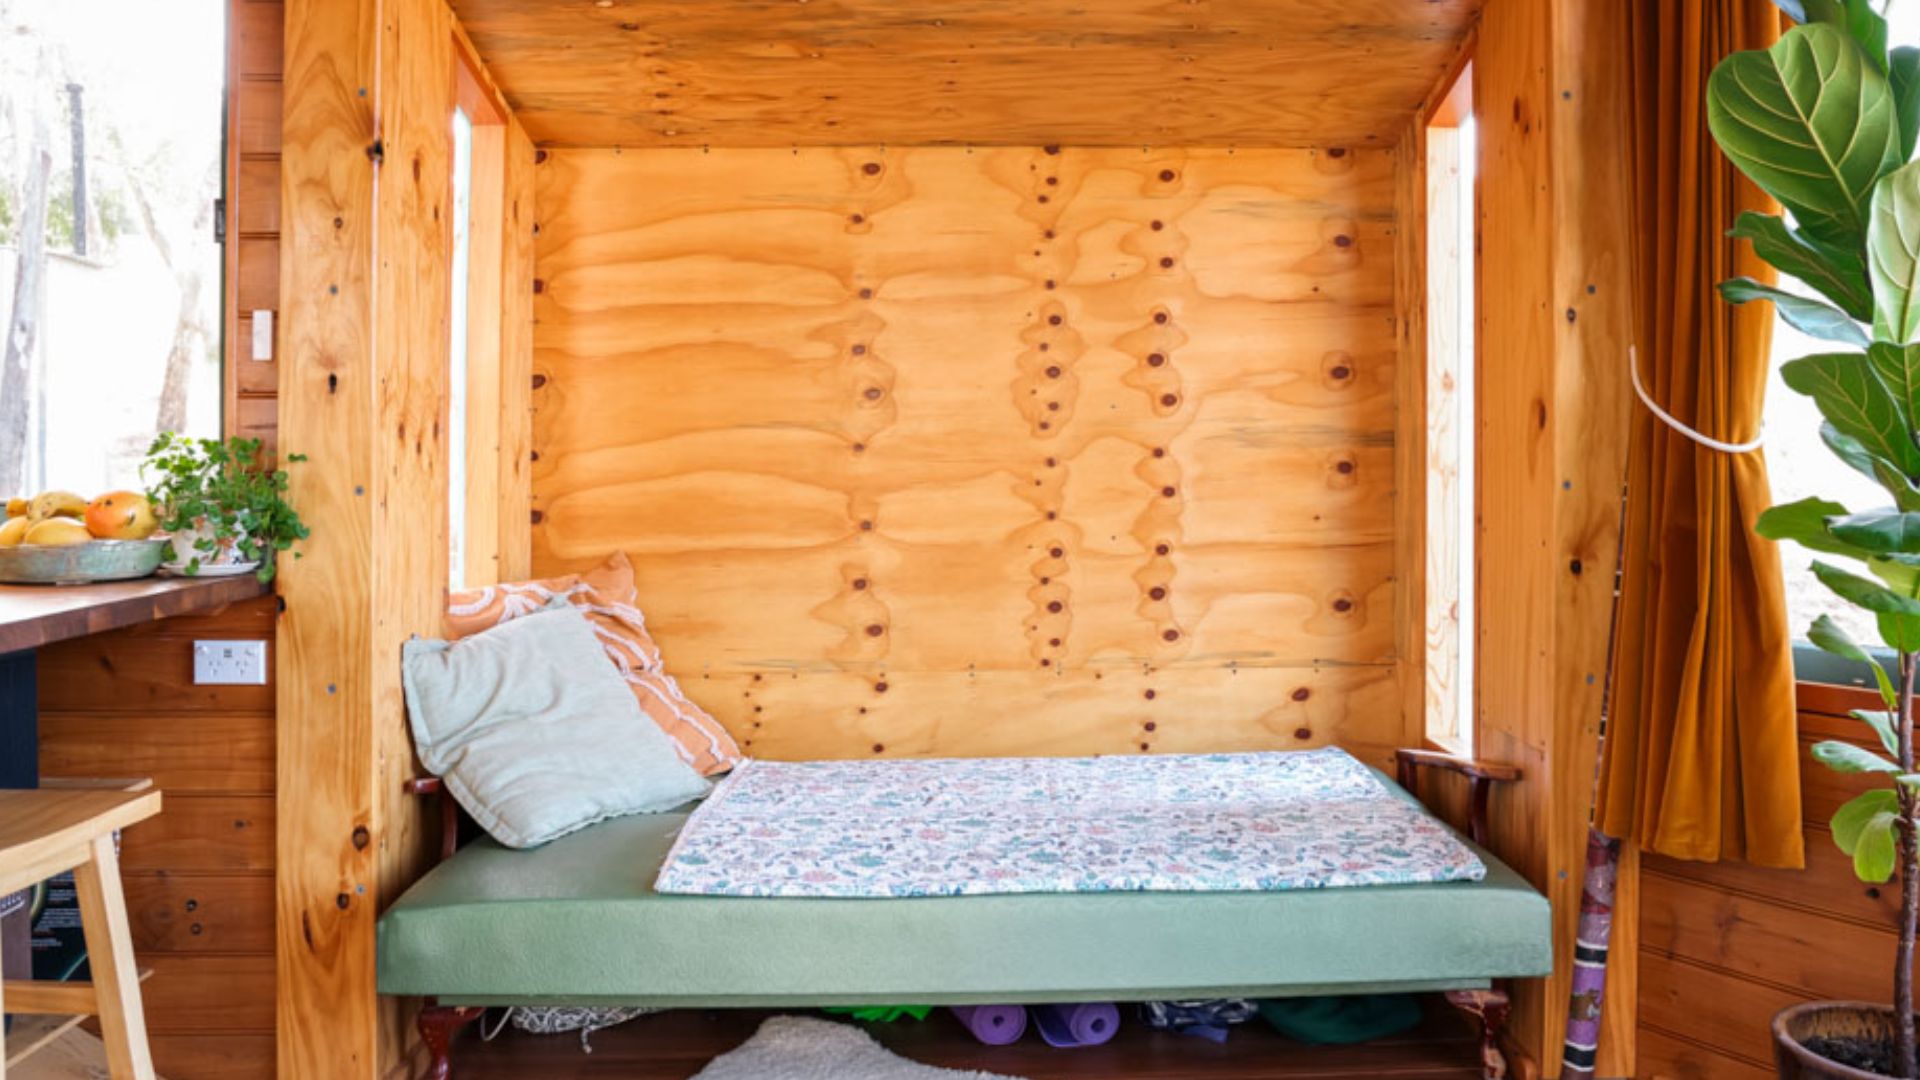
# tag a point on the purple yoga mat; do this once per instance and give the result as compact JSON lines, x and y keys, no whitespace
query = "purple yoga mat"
{"x":995,"y":1025}
{"x":1087,"y":1024}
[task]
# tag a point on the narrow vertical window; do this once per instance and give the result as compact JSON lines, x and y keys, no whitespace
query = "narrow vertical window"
{"x":457,"y":362}
{"x":473,"y":378}
{"x":1451,"y":268}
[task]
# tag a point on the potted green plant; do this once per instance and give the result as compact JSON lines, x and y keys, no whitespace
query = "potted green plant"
{"x":1825,"y":122}
{"x":223,"y":509}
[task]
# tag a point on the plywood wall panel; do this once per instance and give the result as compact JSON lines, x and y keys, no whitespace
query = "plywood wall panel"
{"x":1102,"y":711}
{"x":646,"y":73}
{"x":993,"y":424}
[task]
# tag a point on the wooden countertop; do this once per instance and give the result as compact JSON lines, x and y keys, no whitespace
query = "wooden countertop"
{"x":36,"y":615}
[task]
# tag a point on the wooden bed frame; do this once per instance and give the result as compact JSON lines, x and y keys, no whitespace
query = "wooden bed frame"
{"x":438,"y":1024}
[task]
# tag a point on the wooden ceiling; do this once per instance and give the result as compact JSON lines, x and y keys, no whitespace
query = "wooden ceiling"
{"x":985,"y":72}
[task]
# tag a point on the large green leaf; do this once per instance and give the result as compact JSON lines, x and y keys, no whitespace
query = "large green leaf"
{"x":1903,"y":75}
{"x":1852,"y":397}
{"x":1838,"y":274}
{"x":1893,"y":255}
{"x":1905,"y":493}
{"x":1805,"y":523}
{"x":1851,"y":819}
{"x":1843,"y":757}
{"x":1882,"y":721}
{"x":1857,"y":17}
{"x":1864,"y":592}
{"x":1867,"y":828}
{"x":1900,"y":575}
{"x":1828,"y":636}
{"x":1879,"y":531}
{"x":1809,"y":316}
{"x":1900,"y":632}
{"x":1873,"y":856}
{"x":1898,"y":367}
{"x":1811,"y":121}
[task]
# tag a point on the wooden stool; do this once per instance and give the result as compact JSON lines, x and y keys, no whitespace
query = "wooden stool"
{"x":48,"y":831}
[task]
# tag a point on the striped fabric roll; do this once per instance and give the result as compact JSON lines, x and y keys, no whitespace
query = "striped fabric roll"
{"x":606,"y":595}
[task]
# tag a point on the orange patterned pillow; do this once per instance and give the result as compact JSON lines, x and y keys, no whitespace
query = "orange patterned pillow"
{"x":606,"y":595}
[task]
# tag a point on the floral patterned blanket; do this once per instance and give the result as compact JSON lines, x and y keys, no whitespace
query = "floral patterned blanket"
{"x":1311,"y":819}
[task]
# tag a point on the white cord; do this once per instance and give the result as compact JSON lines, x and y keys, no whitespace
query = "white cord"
{"x":1633,"y":368}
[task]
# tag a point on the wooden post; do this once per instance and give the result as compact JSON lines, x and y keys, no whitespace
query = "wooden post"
{"x":1555,"y":318}
{"x":365,"y":261}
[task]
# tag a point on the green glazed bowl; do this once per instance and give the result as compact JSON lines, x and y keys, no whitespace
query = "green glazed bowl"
{"x":73,"y":564}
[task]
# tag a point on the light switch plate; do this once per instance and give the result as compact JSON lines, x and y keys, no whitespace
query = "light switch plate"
{"x":263,"y":334}
{"x":230,"y":663}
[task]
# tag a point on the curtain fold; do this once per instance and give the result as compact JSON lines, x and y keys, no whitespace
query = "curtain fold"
{"x":1702,"y":753}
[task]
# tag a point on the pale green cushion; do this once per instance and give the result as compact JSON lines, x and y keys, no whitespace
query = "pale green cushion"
{"x":578,"y":921}
{"x":535,"y":733}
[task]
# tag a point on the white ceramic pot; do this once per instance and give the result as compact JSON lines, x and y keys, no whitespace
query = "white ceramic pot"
{"x":226,"y":558}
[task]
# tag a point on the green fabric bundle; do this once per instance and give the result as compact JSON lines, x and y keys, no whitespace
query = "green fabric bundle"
{"x":1337,"y":1021}
{"x":884,"y":1014}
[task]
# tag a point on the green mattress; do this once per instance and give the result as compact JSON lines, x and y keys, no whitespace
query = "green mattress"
{"x":577,"y":921}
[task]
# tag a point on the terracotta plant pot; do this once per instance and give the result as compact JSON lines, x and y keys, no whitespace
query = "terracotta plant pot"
{"x":1831,"y":1022}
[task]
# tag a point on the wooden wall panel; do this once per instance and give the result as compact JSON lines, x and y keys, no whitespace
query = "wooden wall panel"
{"x":653,"y":73}
{"x":254,"y":61}
{"x":1760,"y":939}
{"x":198,"y":878}
{"x":1017,"y":419}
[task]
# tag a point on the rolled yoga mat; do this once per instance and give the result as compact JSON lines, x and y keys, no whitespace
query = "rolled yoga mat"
{"x":995,"y":1025}
{"x":1086,"y":1024}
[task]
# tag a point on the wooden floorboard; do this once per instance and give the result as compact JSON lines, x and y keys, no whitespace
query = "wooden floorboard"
{"x":675,"y":1045}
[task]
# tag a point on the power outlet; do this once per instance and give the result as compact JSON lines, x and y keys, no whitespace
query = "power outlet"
{"x":230,"y":663}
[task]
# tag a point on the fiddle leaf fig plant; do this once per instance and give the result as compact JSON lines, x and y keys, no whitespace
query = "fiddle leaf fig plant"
{"x":1825,"y":121}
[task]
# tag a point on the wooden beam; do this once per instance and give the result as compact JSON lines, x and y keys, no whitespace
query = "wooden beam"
{"x":367,"y":247}
{"x":1410,"y":429}
{"x":1553,"y":325}
{"x":515,"y":545}
{"x":1592,"y":316}
{"x":324,"y":699}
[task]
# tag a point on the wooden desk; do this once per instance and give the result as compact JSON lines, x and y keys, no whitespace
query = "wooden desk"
{"x":36,"y":615}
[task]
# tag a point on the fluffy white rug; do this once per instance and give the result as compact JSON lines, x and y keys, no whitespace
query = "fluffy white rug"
{"x":803,"y":1048}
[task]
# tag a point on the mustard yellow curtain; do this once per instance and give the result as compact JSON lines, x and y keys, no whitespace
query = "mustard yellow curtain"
{"x":1702,"y":757}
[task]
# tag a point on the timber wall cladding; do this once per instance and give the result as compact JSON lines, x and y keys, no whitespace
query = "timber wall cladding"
{"x":948,"y":451}
{"x":199,"y":878}
{"x":1724,"y":946}
{"x":255,"y":54}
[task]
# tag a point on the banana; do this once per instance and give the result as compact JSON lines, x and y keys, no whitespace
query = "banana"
{"x":13,"y":531}
{"x":17,"y":507}
{"x":57,"y":532}
{"x":49,"y":504}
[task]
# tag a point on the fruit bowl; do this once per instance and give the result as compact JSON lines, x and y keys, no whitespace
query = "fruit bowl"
{"x":73,"y":564}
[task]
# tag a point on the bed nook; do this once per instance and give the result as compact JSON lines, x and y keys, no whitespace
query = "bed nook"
{"x":1048,"y":518}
